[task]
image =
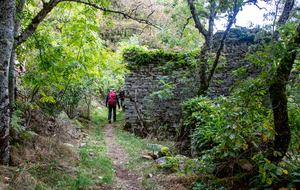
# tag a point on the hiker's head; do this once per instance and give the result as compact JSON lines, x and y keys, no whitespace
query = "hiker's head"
{"x":120,"y":88}
{"x":112,"y":90}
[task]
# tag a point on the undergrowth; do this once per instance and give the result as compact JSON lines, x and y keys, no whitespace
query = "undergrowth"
{"x":64,"y":165}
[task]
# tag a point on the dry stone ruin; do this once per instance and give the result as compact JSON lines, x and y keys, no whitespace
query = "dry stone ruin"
{"x":145,"y":113}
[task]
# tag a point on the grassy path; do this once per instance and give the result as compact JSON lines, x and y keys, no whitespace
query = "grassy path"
{"x":125,"y":178}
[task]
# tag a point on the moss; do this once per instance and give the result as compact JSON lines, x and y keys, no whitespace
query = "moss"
{"x":140,"y":58}
{"x":159,"y":166}
{"x":165,"y":151}
{"x":175,"y":168}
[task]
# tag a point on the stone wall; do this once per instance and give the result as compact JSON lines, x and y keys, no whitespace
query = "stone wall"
{"x":143,"y":79}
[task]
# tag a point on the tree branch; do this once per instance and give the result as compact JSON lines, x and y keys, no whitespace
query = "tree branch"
{"x":284,"y":17}
{"x":232,"y":20}
{"x":184,"y":26}
{"x":47,"y":7}
{"x":198,"y":24}
{"x":127,"y":16}
{"x":261,"y":8}
{"x":150,"y":14}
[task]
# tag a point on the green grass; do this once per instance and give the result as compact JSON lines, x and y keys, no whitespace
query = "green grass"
{"x":95,"y":161}
{"x":100,"y":116}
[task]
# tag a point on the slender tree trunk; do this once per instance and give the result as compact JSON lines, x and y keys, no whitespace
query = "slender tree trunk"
{"x":278,"y":97}
{"x":7,"y":11}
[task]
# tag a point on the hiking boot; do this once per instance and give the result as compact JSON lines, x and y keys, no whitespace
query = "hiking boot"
{"x":109,"y":121}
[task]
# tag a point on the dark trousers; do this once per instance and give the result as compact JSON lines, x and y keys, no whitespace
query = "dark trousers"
{"x":110,"y":108}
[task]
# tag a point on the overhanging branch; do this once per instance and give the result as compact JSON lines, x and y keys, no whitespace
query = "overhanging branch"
{"x":127,"y":16}
{"x":47,"y":8}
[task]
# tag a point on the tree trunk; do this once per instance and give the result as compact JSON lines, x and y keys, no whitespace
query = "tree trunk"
{"x":12,"y":75}
{"x":7,"y":10}
{"x":278,"y":97}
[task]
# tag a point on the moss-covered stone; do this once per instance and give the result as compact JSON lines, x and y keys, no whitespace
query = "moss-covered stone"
{"x":165,"y":151}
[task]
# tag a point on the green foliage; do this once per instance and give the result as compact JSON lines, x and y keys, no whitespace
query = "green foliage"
{"x":195,"y":104}
{"x":16,"y":121}
{"x":294,"y":115}
{"x":203,"y":118}
{"x":285,"y":174}
{"x":165,"y":93}
{"x":17,"y":125}
{"x":180,"y":31}
{"x":228,"y":127}
{"x":67,"y":61}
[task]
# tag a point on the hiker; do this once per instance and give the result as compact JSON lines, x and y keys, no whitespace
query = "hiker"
{"x":122,"y":96}
{"x":111,"y":102}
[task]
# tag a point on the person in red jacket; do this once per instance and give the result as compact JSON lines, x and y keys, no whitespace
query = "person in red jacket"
{"x":112,"y":101}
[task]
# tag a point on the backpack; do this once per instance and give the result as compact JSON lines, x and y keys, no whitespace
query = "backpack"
{"x":112,"y":98}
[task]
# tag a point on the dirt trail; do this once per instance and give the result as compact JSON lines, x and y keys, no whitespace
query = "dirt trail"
{"x":125,"y":179}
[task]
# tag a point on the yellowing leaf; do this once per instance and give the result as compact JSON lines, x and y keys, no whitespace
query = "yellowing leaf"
{"x":269,"y":181}
{"x":275,"y":153}
{"x":268,"y":162}
{"x":264,"y":137}
{"x":285,"y":171}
